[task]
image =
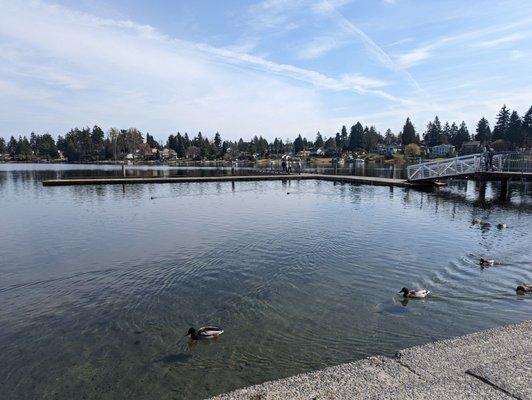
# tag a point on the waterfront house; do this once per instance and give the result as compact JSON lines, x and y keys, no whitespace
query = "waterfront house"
{"x":316,"y":152}
{"x":442,"y":150}
{"x":390,"y":150}
{"x":471,"y":147}
{"x":168,"y":154}
{"x":303,"y":153}
{"x":331,"y":152}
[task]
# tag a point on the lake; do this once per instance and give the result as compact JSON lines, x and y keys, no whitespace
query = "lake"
{"x":99,"y":284}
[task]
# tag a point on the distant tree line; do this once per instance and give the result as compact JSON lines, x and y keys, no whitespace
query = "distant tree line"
{"x":88,"y":145}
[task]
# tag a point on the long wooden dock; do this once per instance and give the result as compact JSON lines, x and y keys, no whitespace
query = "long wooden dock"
{"x":231,"y":178}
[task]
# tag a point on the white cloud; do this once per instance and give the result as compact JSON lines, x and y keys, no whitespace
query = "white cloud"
{"x":114,"y":72}
{"x":320,"y":46}
{"x":363,"y":81}
{"x":328,"y":8}
{"x":422,"y":53}
{"x":273,"y":14}
{"x":413,"y":57}
{"x":502,"y":40}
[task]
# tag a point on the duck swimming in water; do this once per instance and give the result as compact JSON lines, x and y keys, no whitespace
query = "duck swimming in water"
{"x":476,"y":221}
{"x":502,"y":226}
{"x":487,"y":262}
{"x":414,"y":294}
{"x":206,"y":332}
{"x":524,"y":288}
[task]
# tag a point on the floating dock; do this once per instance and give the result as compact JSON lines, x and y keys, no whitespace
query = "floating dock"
{"x":234,"y":178}
{"x":493,"y":364}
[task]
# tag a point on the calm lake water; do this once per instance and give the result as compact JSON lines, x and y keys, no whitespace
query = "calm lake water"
{"x":98,"y":284}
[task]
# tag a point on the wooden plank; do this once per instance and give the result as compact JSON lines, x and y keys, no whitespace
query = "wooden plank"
{"x":230,"y":178}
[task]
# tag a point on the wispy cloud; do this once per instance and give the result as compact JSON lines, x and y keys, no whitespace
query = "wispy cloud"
{"x":413,"y":57}
{"x":328,"y":8}
{"x":320,"y":45}
{"x":125,"y":70}
{"x":502,"y":40}
{"x":273,"y":15}
{"x":471,"y":37}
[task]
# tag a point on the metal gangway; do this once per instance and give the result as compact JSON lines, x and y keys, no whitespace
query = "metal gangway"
{"x":505,"y":165}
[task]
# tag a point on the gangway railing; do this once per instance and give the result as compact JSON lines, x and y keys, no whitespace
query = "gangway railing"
{"x":469,"y":165}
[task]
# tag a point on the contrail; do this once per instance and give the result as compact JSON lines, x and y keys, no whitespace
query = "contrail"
{"x":373,"y":47}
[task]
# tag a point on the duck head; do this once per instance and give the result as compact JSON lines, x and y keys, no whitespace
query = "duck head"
{"x":404,"y":290}
{"x":191,"y":332}
{"x":520,"y":289}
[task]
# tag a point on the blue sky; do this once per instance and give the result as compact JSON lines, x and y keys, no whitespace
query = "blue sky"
{"x":271,"y":67}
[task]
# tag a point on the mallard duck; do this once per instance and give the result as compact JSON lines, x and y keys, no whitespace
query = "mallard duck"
{"x":414,"y":294}
{"x":206,"y":332}
{"x":487,"y":262}
{"x":476,"y":221}
{"x":502,"y":226}
{"x":524,"y":288}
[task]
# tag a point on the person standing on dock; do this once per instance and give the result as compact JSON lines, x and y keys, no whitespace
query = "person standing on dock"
{"x":488,"y":158}
{"x":283,"y":166}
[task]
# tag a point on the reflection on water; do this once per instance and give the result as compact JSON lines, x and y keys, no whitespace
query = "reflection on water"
{"x":99,"y":285}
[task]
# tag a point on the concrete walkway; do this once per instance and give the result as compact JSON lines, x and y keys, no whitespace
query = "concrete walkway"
{"x":493,"y":364}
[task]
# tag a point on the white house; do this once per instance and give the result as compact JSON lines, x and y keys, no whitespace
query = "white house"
{"x":442,"y":150}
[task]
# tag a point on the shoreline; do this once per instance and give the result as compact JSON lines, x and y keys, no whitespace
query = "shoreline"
{"x":491,"y":364}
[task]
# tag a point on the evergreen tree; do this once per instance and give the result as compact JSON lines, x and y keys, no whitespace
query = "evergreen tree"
{"x":434,"y":133}
{"x":2,"y":145}
{"x":97,"y":143}
{"x":113,"y":139}
{"x":330,"y":144}
{"x":461,"y":136}
{"x":343,"y":137}
{"x":483,"y":134}
{"x":180,"y":147}
{"x":12,"y":146}
{"x":500,"y":131}
{"x":527,"y":128}
{"x":186,"y":141}
{"x":371,"y":138}
{"x":298,"y":144}
{"x":515,"y":130}
{"x":225,"y":147}
{"x":453,"y":136}
{"x":171,"y":142}
{"x":409,"y":133}
{"x":318,"y":143}
{"x":356,"y":137}
{"x":338,"y":140}
{"x":150,"y":141}
{"x":217,"y":142}
{"x":43,"y":146}
{"x":447,"y":134}
{"x":389,"y":137}
{"x":241,"y":145}
{"x":23,"y":150}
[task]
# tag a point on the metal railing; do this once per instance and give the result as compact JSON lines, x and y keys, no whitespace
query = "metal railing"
{"x":470,"y":164}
